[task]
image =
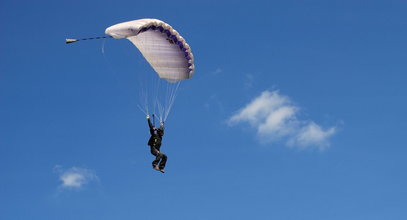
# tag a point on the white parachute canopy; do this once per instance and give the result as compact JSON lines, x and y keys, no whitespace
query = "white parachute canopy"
{"x":161,"y":45}
{"x":167,"y":53}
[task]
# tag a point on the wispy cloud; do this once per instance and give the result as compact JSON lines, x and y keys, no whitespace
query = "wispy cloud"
{"x":75,"y":177}
{"x":249,"y":81}
{"x":275,"y":117}
{"x":217,"y":71}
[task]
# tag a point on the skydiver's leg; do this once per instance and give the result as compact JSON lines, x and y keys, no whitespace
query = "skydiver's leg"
{"x":163,"y":161}
{"x":157,"y":155}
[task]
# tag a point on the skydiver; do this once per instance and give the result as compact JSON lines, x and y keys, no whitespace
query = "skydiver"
{"x":155,"y":143}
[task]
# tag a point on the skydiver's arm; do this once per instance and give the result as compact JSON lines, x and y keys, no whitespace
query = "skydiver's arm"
{"x":150,"y":125}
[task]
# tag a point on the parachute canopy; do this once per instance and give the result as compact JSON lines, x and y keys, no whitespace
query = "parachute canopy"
{"x":163,"y":48}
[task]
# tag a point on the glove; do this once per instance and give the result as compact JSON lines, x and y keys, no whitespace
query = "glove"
{"x":148,"y":117}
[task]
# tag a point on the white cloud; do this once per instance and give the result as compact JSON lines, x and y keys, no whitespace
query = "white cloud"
{"x":259,"y":108}
{"x":75,"y":177}
{"x":312,"y":134}
{"x":274,"y":116}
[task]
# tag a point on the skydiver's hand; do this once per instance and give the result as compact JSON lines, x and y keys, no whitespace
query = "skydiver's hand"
{"x":148,"y":117}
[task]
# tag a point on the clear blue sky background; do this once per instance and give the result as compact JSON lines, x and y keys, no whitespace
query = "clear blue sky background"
{"x":69,"y":109}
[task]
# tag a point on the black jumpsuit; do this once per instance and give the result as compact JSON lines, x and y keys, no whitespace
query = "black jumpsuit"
{"x":155,"y":143}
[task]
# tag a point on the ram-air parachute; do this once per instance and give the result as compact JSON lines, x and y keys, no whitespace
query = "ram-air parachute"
{"x":161,"y":45}
{"x":167,"y":53}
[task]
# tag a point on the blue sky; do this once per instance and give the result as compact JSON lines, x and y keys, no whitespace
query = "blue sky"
{"x":296,"y":111}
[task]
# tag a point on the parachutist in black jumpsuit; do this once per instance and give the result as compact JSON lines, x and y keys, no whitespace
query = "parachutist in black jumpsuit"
{"x":155,"y":143}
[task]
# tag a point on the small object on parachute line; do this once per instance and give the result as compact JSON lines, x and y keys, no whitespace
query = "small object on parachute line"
{"x":69,"y":41}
